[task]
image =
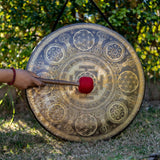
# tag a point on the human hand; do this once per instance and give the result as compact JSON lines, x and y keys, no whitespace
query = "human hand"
{"x":26,"y":79}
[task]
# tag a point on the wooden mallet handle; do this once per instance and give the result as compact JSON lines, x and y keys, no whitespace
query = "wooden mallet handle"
{"x":59,"y":82}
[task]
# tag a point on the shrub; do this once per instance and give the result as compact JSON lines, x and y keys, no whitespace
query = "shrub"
{"x":24,"y":23}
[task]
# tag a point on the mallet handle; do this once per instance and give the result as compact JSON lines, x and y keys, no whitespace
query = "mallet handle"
{"x":60,"y":82}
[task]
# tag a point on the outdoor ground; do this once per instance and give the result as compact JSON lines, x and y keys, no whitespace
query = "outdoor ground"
{"x":25,"y":139}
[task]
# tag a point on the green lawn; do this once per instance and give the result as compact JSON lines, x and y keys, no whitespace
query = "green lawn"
{"x":25,"y":139}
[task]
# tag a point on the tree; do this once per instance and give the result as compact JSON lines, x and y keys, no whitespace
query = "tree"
{"x":25,"y":22}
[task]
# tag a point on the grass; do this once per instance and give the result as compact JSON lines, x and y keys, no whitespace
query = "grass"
{"x":25,"y":139}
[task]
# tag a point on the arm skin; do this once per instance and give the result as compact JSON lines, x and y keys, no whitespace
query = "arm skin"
{"x":24,"y":79}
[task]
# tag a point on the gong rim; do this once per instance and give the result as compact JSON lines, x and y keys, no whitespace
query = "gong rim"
{"x":141,"y":85}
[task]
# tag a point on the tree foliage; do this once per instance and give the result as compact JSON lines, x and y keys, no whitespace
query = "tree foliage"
{"x":25,"y":22}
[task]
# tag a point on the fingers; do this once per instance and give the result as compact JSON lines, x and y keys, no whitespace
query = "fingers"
{"x":26,"y":79}
{"x":37,"y":82}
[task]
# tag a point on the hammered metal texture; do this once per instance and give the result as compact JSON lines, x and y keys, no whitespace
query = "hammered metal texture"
{"x":86,"y":50}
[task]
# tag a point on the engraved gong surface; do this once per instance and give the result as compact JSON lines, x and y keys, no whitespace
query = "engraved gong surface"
{"x":94,"y":51}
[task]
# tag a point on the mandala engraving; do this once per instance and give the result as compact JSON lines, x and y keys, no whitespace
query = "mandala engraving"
{"x":102,"y":76}
{"x":86,"y":125}
{"x":114,"y":51}
{"x":128,"y":81}
{"x":117,"y":112}
{"x":56,"y":113}
{"x":54,"y":53}
{"x":83,"y":40}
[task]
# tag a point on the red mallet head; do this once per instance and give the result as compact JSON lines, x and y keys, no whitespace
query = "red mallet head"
{"x":85,"y":85}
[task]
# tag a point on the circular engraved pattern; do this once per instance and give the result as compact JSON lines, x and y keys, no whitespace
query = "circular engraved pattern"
{"x":128,"y":81}
{"x":117,"y":112}
{"x":83,"y":40}
{"x":95,"y":68}
{"x":114,"y":51}
{"x":86,"y":125}
{"x":54,"y":53}
{"x":56,"y":113}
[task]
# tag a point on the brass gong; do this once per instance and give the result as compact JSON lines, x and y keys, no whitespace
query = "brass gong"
{"x":93,"y":51}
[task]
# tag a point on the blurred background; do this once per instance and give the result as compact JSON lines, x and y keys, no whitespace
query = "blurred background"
{"x":23,"y":23}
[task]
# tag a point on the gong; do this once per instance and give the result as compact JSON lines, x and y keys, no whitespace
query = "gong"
{"x":86,"y":50}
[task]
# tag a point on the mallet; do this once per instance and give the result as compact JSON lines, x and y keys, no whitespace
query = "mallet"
{"x":85,"y":84}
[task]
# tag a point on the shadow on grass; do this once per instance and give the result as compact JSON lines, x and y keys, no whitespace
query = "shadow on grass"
{"x":16,"y":141}
{"x":25,"y":138}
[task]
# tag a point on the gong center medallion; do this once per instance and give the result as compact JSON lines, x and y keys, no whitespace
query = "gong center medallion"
{"x":102,"y":76}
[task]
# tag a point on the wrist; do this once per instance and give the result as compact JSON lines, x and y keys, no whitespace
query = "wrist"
{"x":13,"y":76}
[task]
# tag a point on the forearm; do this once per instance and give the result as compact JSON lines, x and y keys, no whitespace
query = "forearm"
{"x":6,"y":75}
{"x":19,"y":78}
